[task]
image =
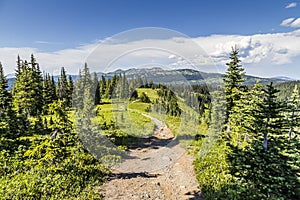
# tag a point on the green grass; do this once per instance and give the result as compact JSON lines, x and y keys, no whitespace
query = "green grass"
{"x":126,"y":117}
{"x":151,"y":93}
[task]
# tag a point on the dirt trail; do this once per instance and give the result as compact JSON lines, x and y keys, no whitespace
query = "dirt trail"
{"x":158,"y":168}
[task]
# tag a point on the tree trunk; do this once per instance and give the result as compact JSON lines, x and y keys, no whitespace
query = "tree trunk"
{"x":265,"y":145}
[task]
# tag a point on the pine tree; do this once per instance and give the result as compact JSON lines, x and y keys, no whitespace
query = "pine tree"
{"x":19,"y":66}
{"x":84,"y":104}
{"x":144,"y":98}
{"x":134,"y":95}
{"x":124,"y":87}
{"x":109,"y":89}
{"x":267,"y":167}
{"x":78,"y":92}
{"x":96,"y":86}
{"x":53,"y":88}
{"x":102,"y":86}
{"x":63,"y":85}
{"x":5,"y":102}
{"x":112,"y":86}
{"x":270,"y":119}
{"x":70,"y":90}
{"x":233,"y":79}
{"x":37,"y":85}
{"x":47,"y":89}
{"x":5,"y":98}
{"x":242,"y":118}
{"x":217,"y":112}
{"x":28,"y":89}
{"x":293,"y":113}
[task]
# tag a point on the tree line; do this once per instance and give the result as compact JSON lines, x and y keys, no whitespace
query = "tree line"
{"x":41,"y":155}
{"x":257,"y":141}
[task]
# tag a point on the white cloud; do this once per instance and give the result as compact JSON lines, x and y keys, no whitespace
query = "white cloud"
{"x":276,"y":48}
{"x":295,"y":23}
{"x":287,"y":22}
{"x":291,"y":22}
{"x":291,"y":5}
{"x":172,"y":56}
{"x":267,"y":50}
{"x":71,"y":59}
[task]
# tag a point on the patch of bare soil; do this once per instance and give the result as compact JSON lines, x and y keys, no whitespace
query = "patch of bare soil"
{"x":157,"y":168}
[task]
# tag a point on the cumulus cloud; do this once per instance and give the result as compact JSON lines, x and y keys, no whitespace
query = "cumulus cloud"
{"x":273,"y":49}
{"x":71,"y":59}
{"x":291,"y":5}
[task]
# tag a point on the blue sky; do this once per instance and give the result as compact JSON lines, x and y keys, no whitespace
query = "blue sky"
{"x":58,"y":26}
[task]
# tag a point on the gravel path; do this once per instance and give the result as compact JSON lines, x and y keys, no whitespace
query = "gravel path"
{"x":158,"y":168}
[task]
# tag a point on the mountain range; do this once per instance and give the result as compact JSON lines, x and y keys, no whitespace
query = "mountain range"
{"x":176,"y":77}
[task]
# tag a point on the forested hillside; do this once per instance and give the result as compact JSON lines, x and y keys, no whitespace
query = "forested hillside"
{"x":173,"y":77}
{"x":60,"y":137}
{"x":256,"y":149}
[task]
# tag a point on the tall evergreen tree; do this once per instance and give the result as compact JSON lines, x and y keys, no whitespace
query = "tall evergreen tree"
{"x":70,"y":90}
{"x":49,"y":91}
{"x":37,"y":84}
{"x":270,"y":119}
{"x":267,"y":167}
{"x":233,"y":79}
{"x":28,"y":89}
{"x":5,"y":101}
{"x":293,"y":113}
{"x":243,"y":116}
{"x":63,"y":85}
{"x":96,"y":86}
{"x":5,"y":98}
{"x":7,"y":116}
{"x":19,"y":66}
{"x":53,"y":88}
{"x":102,"y":86}
{"x":78,"y":92}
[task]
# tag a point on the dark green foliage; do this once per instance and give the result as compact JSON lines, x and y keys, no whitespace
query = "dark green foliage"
{"x":233,"y":79}
{"x":5,"y":97}
{"x":243,"y":116}
{"x":286,"y":89}
{"x":255,"y":157}
{"x":270,"y":119}
{"x":293,"y":113}
{"x":54,"y":166}
{"x":78,"y":92}
{"x":144,"y":98}
{"x":168,"y":100}
{"x":62,"y":90}
{"x":49,"y":91}
{"x":102,"y":86}
{"x":35,"y":165}
{"x":65,"y":88}
{"x":7,"y":115}
{"x":265,"y":167}
{"x":134,"y":95}
{"x":43,"y":154}
{"x":27,"y":90}
{"x":70,"y":90}
{"x":97,"y":89}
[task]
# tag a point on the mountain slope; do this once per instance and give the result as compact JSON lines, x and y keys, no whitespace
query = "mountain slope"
{"x":175,"y":77}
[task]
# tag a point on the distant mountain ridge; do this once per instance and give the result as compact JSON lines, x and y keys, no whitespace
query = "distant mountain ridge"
{"x":181,"y":76}
{"x":176,"y":76}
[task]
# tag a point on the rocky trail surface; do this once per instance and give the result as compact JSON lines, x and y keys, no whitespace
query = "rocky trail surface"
{"x":157,"y":168}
